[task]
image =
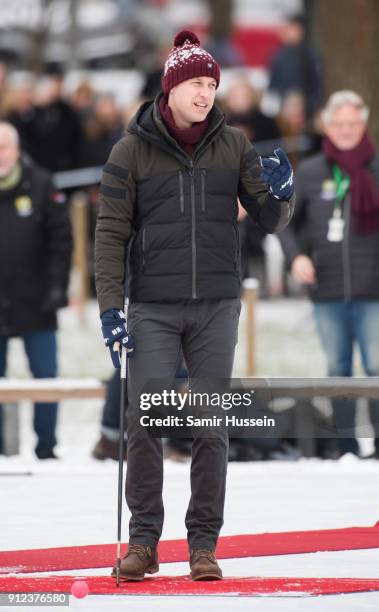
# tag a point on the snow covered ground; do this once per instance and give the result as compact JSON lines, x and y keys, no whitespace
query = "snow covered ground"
{"x":73,"y":501}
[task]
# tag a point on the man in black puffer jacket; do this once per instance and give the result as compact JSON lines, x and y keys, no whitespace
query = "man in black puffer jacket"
{"x":35,"y":251}
{"x":171,"y":187}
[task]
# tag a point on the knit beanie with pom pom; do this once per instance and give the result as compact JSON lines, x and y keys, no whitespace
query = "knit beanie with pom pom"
{"x":187,"y":60}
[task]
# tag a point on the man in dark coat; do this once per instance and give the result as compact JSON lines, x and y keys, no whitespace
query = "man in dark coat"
{"x":296,"y":67}
{"x":53,"y":135}
{"x":35,"y":251}
{"x":332,"y":247}
{"x":171,"y":186}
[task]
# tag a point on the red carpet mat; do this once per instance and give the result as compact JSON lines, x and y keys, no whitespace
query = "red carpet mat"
{"x":250,"y":545}
{"x":182,"y":585}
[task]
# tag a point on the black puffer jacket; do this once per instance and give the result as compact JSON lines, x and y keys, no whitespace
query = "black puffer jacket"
{"x":346,"y":270}
{"x":35,"y":252}
{"x":181,"y":212}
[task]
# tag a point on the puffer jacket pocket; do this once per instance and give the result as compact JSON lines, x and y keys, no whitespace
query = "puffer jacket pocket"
{"x":181,"y":192}
{"x":237,"y":247}
{"x":143,"y":248}
{"x":203,"y":174}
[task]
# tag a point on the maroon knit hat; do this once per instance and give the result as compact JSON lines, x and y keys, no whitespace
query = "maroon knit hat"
{"x":187,"y":60}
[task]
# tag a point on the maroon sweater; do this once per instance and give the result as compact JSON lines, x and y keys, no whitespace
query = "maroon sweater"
{"x":186,"y":138}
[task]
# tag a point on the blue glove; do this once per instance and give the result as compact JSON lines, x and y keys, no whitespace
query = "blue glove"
{"x":278,"y":174}
{"x":113,"y":327}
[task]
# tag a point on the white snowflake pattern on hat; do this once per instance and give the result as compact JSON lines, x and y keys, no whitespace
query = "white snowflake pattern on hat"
{"x":188,"y":52}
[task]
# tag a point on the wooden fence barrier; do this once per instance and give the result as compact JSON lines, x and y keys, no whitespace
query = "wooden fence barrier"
{"x":301,"y":390}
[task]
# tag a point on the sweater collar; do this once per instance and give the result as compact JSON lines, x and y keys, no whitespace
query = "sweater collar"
{"x":148,"y":124}
{"x":186,"y":138}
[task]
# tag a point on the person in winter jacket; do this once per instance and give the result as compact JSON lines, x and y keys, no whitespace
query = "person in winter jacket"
{"x":35,"y":253}
{"x":332,"y":247}
{"x":169,"y":194}
{"x":52,"y":133}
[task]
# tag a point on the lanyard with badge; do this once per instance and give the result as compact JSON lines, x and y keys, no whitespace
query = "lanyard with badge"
{"x":336,"y":223}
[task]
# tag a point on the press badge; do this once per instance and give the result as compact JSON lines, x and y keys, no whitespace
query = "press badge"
{"x":335,"y":227}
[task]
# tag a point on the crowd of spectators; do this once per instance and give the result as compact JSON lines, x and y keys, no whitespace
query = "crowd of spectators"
{"x":69,"y":123}
{"x":64,"y":129}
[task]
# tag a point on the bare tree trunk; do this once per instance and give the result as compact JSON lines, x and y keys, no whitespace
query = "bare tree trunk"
{"x":348,"y":33}
{"x":39,"y":39}
{"x":73,"y":62}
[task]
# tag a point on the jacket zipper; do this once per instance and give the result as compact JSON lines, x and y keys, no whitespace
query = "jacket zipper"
{"x":345,"y":252}
{"x":181,"y":192}
{"x":143,"y":247}
{"x":236,"y":236}
{"x":203,"y":173}
{"x":193,"y":224}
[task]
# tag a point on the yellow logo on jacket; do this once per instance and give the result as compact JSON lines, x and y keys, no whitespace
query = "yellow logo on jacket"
{"x":24,"y":206}
{"x":328,"y":190}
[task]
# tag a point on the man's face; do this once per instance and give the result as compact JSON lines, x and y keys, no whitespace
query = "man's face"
{"x":292,"y":33}
{"x":191,"y":100}
{"x":9,"y":152}
{"x":345,"y":127}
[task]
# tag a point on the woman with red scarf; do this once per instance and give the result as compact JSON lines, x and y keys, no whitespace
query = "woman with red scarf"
{"x":332,"y":247}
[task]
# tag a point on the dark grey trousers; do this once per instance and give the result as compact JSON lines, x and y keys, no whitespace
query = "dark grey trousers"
{"x":206,"y":330}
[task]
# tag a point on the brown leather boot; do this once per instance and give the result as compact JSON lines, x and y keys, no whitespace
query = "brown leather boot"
{"x":107,"y":449}
{"x":138,"y":561}
{"x":204,"y":566}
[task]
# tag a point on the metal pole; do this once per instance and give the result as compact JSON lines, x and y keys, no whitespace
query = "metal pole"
{"x":251,"y":286}
{"x":73,"y":33}
{"x":123,"y":375}
{"x":79,"y":218}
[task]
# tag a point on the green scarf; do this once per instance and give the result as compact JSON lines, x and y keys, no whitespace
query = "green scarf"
{"x":9,"y":182}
